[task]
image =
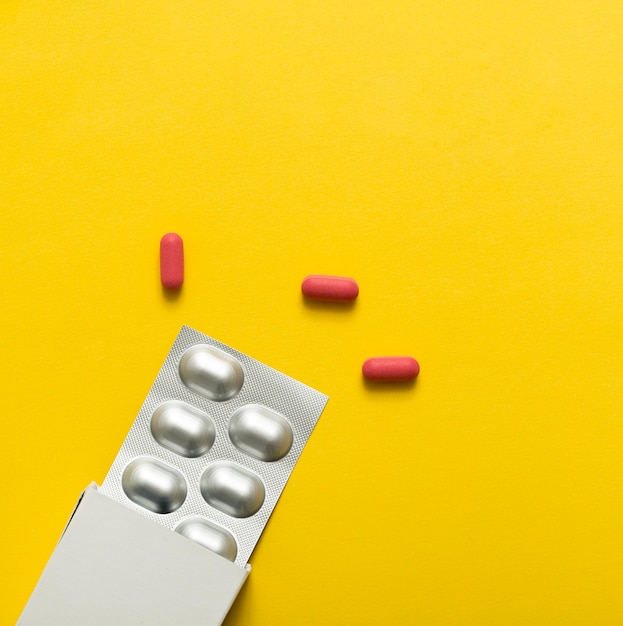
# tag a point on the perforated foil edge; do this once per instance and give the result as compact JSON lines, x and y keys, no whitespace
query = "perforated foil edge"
{"x":299,"y":404}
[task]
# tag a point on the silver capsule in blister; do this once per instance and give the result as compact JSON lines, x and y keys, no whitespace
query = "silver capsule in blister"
{"x":232,"y":489}
{"x":154,"y":485}
{"x":211,"y":372}
{"x":209,"y":536}
{"x":182,"y":428}
{"x":260,"y":432}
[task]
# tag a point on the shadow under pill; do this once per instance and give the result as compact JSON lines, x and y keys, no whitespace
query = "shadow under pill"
{"x":171,"y":295}
{"x":323,"y":305}
{"x":383,"y":386}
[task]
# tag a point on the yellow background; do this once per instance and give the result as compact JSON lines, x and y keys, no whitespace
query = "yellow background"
{"x":462,"y":160}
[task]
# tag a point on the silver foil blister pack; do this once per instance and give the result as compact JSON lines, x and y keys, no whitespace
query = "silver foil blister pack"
{"x":213,"y":445}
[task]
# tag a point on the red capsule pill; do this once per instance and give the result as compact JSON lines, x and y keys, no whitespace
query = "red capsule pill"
{"x":330,"y":288}
{"x":171,"y":261}
{"x":391,"y":368}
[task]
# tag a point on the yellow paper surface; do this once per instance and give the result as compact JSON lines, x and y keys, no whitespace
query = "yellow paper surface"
{"x":462,"y":160}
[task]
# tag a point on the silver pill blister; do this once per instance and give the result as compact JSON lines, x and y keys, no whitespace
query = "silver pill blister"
{"x":154,"y":485}
{"x":211,"y":372}
{"x":232,"y":489}
{"x":182,"y":428}
{"x":260,"y":432}
{"x":213,"y":445}
{"x":209,"y":536}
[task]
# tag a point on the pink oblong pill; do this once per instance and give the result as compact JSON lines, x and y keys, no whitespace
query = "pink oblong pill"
{"x":330,"y":288}
{"x":171,"y":261}
{"x":391,"y":368}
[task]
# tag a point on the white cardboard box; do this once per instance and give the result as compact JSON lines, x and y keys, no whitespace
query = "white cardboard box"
{"x":114,"y":567}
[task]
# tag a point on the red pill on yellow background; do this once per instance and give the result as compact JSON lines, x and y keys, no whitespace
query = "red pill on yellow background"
{"x":171,"y":261}
{"x":330,"y":288}
{"x":391,"y":368}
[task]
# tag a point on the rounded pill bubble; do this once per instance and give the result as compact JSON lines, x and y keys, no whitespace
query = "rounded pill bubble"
{"x":211,"y":372}
{"x":171,"y":261}
{"x":330,"y":288}
{"x":391,"y":368}
{"x":232,"y":489}
{"x":154,"y":485}
{"x":209,"y":536}
{"x":260,"y":432}
{"x":182,"y":428}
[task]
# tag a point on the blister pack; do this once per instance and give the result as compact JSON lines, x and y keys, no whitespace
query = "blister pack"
{"x":213,"y":445}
